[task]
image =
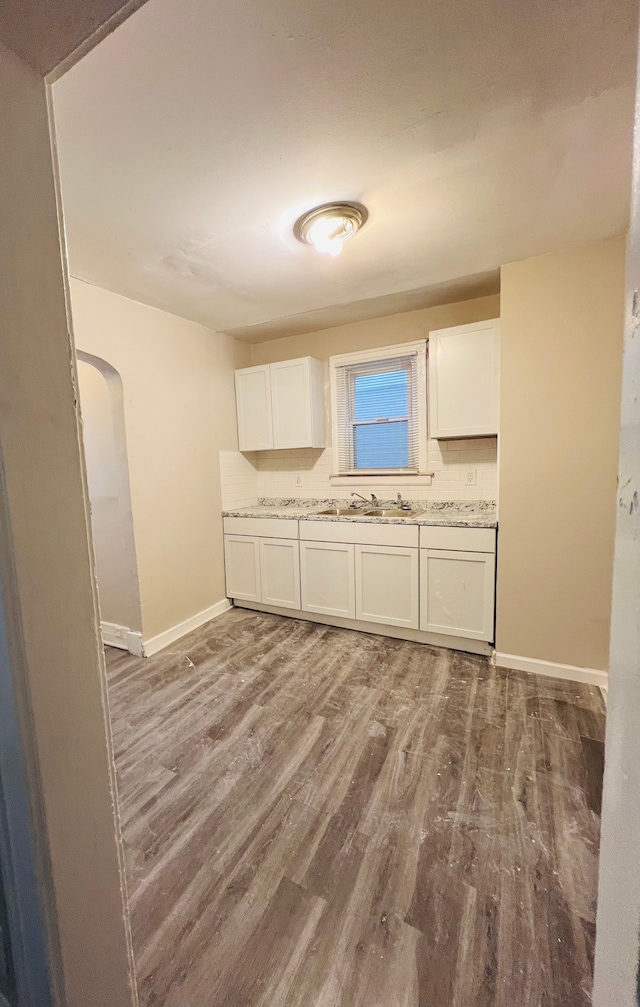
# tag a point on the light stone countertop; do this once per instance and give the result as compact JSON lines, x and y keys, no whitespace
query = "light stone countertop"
{"x":451,"y":514}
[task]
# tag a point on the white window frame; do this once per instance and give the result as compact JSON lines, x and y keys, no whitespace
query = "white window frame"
{"x":396,"y":476}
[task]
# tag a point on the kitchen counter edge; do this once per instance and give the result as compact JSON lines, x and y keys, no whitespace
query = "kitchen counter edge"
{"x":450,"y":520}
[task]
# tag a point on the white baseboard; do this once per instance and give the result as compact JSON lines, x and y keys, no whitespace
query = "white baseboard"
{"x":114,"y":635}
{"x":122,"y":637}
{"x":162,"y":640}
{"x":134,"y":644}
{"x":568,"y":671}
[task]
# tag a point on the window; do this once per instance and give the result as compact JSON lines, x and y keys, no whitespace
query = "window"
{"x":379,"y":404}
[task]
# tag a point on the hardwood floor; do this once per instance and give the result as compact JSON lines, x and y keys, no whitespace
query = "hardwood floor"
{"x":319,"y":817}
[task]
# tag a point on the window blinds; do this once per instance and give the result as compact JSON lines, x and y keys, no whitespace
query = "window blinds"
{"x":377,"y":415}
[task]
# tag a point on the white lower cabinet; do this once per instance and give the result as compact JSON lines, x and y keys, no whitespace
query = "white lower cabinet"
{"x":263,"y":569}
{"x":280,"y":572}
{"x":438,"y":580}
{"x":457,"y":593}
{"x":328,"y":578}
{"x":242,"y":567}
{"x":387,"y":585}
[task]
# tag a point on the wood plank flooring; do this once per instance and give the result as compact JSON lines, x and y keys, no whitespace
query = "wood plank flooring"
{"x":315,"y":817}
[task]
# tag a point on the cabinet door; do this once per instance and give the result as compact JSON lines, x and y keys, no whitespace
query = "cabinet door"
{"x":297,"y":403}
{"x":457,"y":591}
{"x":253,"y":407}
{"x":280,"y":572}
{"x":328,"y":578}
{"x":387,"y":585}
{"x":464,"y":376}
{"x":242,"y":567}
{"x":291,"y":404}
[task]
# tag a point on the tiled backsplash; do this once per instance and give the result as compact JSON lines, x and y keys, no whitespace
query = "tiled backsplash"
{"x":306,"y":473}
{"x":238,"y":479}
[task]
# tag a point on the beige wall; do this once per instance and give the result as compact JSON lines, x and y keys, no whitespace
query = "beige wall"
{"x":179,"y":405}
{"x":561,"y":347}
{"x":48,"y":533}
{"x":374,"y":332}
{"x":105,"y":451}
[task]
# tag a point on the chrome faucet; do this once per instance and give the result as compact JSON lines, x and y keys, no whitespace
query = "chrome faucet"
{"x":353,"y":503}
{"x":374,"y":499}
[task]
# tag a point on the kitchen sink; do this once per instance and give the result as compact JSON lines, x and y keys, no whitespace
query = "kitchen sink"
{"x":392,"y":512}
{"x":376,"y":512}
{"x":341,"y":511}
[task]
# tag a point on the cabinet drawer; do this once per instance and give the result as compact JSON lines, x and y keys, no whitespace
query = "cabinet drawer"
{"x":464,"y":539}
{"x":360,"y":533}
{"x":263,"y":527}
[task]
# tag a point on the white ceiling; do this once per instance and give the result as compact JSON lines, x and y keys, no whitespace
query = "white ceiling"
{"x":477,"y":132}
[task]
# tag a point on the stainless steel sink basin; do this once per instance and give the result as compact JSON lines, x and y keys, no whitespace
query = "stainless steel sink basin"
{"x":341,"y":511}
{"x":391,"y":512}
{"x":376,"y":512}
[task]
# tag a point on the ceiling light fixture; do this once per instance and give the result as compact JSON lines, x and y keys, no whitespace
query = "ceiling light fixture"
{"x":327,"y":227}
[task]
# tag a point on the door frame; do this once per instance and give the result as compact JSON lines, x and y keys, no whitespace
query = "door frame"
{"x":24,"y":864}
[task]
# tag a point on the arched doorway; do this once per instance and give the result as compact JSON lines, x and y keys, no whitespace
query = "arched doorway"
{"x":105,"y":448}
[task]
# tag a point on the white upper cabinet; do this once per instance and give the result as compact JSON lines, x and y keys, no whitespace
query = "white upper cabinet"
{"x":464,"y":380}
{"x":297,"y":402}
{"x":253,"y":408}
{"x":281,"y":405}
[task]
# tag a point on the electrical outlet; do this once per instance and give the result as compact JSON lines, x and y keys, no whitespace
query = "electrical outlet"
{"x":472,"y":477}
